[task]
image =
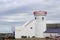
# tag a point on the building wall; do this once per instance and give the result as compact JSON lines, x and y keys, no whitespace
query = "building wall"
{"x":35,"y":28}
{"x":40,"y":26}
{"x":27,"y":30}
{"x":19,"y":31}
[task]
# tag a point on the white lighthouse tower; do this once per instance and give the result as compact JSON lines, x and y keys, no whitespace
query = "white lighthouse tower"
{"x":40,"y":25}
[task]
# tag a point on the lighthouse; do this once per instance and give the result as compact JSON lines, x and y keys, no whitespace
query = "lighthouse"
{"x":40,"y":23}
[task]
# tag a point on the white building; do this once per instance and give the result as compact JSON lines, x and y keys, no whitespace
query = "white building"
{"x":37,"y":27}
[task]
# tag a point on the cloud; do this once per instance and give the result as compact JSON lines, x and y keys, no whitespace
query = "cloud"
{"x":16,"y":17}
{"x":17,"y":12}
{"x":11,"y":4}
{"x":51,"y":6}
{"x":14,"y":14}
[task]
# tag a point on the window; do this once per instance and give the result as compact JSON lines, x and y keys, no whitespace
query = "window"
{"x":33,"y":36}
{"x":30,"y":27}
{"x":42,"y":18}
{"x":23,"y":36}
{"x":28,"y":36}
{"x":35,"y":18}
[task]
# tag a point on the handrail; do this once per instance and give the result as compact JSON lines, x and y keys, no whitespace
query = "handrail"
{"x":28,"y":22}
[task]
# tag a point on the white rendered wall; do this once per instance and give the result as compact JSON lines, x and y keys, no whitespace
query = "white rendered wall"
{"x":40,"y":26}
{"x":19,"y":31}
{"x":31,"y":32}
{"x":25,"y":30}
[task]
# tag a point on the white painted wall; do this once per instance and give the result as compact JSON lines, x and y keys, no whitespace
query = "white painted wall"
{"x":31,"y":32}
{"x":19,"y":33}
{"x":40,"y":26}
{"x":25,"y":30}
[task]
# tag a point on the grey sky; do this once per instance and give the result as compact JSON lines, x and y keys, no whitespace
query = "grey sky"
{"x":17,"y":12}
